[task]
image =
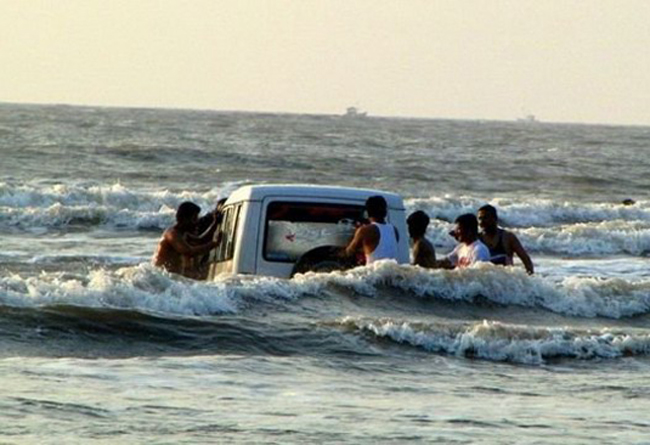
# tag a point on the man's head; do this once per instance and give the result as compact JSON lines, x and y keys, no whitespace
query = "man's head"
{"x":187,"y":213}
{"x":376,"y":207}
{"x":417,"y":223}
{"x":487,"y":218}
{"x":466,"y":229}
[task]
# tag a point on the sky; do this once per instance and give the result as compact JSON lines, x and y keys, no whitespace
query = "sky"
{"x":561,"y":60}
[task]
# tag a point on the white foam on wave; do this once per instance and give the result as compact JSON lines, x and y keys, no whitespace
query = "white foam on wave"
{"x":567,"y":228}
{"x":576,"y":229}
{"x":58,"y":205}
{"x":133,"y":288}
{"x":580,"y":239}
{"x":59,"y":215}
{"x":575,"y":296}
{"x":602,"y":238}
{"x":507,"y":342}
{"x":527,"y":212}
{"x":146,"y":288}
{"x":531,"y":212}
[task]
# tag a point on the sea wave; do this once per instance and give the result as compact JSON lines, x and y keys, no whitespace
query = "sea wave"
{"x":543,"y":226}
{"x":518,"y":213}
{"x":497,"y":341}
{"x":580,"y":239}
{"x":573,"y":296}
{"x":90,"y":259}
{"x":61,"y":205}
{"x":532,"y":212}
{"x":585,"y":239}
{"x":147,"y":289}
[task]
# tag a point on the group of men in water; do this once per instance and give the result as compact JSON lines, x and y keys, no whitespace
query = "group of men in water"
{"x":492,"y":243}
{"x":379,"y":239}
{"x":184,"y":247}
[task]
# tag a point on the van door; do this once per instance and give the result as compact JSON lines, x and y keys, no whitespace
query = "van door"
{"x":223,"y":254}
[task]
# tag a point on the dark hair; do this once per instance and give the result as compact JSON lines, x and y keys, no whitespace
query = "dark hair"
{"x":490,"y":210}
{"x":468,"y":222}
{"x":376,"y":207}
{"x":418,"y":222}
{"x":187,"y":210}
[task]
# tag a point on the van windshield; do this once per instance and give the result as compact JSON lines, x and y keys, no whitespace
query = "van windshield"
{"x":293,"y":228}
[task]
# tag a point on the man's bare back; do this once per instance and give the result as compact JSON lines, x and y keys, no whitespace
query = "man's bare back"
{"x":175,"y":253}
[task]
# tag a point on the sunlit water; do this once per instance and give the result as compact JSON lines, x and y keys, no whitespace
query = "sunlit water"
{"x":98,"y":346}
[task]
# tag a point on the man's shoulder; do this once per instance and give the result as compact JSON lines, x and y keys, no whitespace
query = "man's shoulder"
{"x":172,"y":232}
{"x":424,"y":244}
{"x":508,"y":236}
{"x":367,"y":233}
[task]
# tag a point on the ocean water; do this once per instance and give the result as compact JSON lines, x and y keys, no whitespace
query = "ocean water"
{"x":97,"y":346}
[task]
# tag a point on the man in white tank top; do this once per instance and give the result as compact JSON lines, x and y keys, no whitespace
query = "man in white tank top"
{"x":378,"y":240}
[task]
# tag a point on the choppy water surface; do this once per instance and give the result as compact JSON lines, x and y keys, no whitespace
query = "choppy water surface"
{"x":96,"y":345}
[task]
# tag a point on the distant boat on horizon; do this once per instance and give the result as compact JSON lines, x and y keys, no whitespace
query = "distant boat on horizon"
{"x":528,"y":119}
{"x":353,"y":112}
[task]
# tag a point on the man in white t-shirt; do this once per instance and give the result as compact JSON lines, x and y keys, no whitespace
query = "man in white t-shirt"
{"x":470,"y":250}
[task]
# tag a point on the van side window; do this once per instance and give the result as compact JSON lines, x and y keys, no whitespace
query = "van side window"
{"x":228,"y":230}
{"x":293,"y":228}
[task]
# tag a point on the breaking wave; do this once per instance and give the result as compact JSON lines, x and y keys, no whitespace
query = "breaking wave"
{"x":533,"y":212}
{"x":573,"y":296}
{"x":115,"y":205}
{"x":497,"y":341}
{"x":575,"y":229}
{"x":147,"y":289}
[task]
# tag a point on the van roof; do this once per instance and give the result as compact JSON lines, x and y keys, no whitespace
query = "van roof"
{"x":259,"y":192}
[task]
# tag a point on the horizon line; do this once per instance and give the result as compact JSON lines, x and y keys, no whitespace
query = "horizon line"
{"x":515,"y":120}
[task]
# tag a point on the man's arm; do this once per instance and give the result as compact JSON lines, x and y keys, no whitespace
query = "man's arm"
{"x":444,"y":263}
{"x":450,"y":261}
{"x":356,"y":244}
{"x":521,"y":253}
{"x":207,"y":226}
{"x":184,"y":248}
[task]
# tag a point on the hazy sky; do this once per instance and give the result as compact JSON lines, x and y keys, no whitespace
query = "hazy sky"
{"x":562,"y":60}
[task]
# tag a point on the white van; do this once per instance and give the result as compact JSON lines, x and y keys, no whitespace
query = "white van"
{"x":279,"y":230}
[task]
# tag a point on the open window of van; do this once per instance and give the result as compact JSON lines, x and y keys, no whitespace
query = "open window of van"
{"x":293,"y":228}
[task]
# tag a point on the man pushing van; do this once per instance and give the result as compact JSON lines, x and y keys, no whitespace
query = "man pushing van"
{"x":377,"y":240}
{"x":179,"y":246}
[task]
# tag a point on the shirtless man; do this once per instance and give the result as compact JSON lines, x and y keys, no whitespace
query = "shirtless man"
{"x":424,"y":254}
{"x":377,"y":240}
{"x":470,"y":250}
{"x":502,"y":243}
{"x":175,"y":252}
